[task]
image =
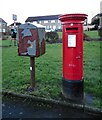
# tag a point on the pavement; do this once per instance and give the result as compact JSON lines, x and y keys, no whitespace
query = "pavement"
{"x":15,"y":107}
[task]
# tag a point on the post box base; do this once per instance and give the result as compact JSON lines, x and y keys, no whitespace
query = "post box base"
{"x":73,"y":89}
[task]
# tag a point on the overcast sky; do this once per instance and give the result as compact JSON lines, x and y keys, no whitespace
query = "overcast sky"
{"x":26,"y":8}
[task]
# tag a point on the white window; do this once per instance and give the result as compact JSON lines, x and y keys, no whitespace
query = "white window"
{"x":59,"y":27}
{"x":52,"y":21}
{"x":47,"y":27}
{"x":59,"y":21}
{"x":0,"y":30}
{"x":54,"y":27}
{"x":50,"y":26}
{"x":45,"y":21}
{"x":39,"y":21}
{"x":4,"y":30}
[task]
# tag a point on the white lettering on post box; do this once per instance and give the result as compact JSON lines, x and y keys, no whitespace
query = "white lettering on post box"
{"x":71,"y":40}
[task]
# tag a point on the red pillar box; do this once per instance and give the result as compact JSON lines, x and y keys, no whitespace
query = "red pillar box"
{"x":31,"y":40}
{"x":73,"y":55}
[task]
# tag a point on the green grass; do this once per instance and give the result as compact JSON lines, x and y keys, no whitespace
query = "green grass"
{"x":16,"y":72}
{"x":5,"y":42}
{"x":92,"y":34}
{"x":92,"y":68}
{"x":60,"y":34}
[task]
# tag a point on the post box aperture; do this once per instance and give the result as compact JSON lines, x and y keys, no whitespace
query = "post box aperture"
{"x":31,"y":40}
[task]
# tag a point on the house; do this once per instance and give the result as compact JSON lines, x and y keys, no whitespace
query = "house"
{"x":95,"y":20}
{"x":3,"y":28}
{"x":100,"y":23}
{"x":50,"y":21}
{"x":88,"y":27}
{"x":101,"y":14}
{"x":17,"y":24}
{"x":11,"y":26}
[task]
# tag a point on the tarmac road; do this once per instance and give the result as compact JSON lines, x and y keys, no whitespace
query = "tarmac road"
{"x":22,"y":108}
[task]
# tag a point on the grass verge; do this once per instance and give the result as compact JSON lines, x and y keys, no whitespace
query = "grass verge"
{"x":16,"y":72}
{"x":92,"y":34}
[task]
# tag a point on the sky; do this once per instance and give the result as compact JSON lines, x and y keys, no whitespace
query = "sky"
{"x":26,"y":8}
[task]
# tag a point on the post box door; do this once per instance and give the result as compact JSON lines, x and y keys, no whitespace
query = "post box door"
{"x":72,"y":53}
{"x":27,"y":44}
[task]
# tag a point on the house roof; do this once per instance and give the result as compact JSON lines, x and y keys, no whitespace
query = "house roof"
{"x":17,"y":23}
{"x":95,"y":19}
{"x":100,"y":14}
{"x":1,"y":20}
{"x":38,"y":18}
{"x":97,"y":16}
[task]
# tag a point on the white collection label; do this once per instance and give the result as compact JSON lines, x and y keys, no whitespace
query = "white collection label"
{"x":71,"y":40}
{"x":31,"y":68}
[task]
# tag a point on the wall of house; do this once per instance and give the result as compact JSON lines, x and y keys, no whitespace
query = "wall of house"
{"x":0,"y":30}
{"x":3,"y":29}
{"x":51,"y":24}
{"x":0,"y":36}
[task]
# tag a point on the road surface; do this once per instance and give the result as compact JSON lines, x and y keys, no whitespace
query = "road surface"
{"x":22,"y":108}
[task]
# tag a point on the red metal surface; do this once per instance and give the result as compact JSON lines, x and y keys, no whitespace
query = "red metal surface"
{"x":73,"y":56}
{"x":23,"y":43}
{"x":72,"y":18}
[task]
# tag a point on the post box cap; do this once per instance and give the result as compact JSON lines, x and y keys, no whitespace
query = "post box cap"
{"x":27,"y":25}
{"x":78,"y":17}
{"x":31,"y":26}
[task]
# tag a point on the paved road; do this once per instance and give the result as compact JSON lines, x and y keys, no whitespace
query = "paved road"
{"x":18,"y":108}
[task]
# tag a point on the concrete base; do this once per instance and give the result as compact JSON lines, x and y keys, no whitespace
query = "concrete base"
{"x":73,"y":89}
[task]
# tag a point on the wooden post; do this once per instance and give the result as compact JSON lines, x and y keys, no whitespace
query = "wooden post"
{"x":32,"y":71}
